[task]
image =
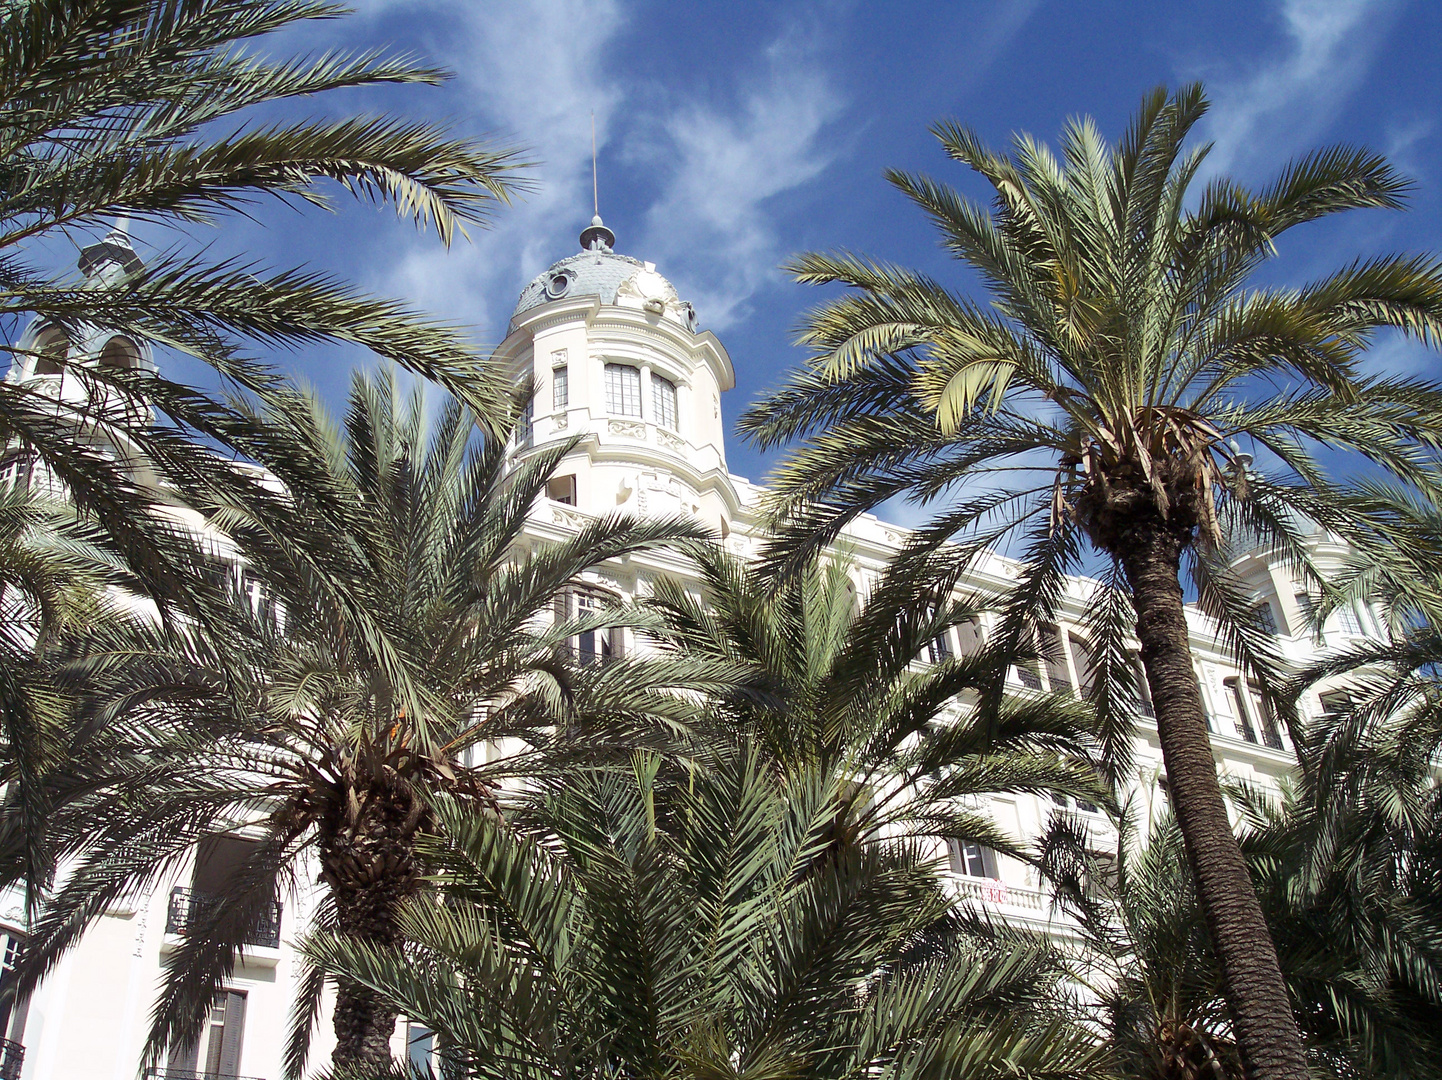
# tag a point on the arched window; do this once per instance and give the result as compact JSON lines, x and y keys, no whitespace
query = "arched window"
{"x":53,"y":345}
{"x":119,"y":354}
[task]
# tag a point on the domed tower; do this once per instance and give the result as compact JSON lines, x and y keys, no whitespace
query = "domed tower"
{"x":616,"y":358}
{"x":39,"y":352}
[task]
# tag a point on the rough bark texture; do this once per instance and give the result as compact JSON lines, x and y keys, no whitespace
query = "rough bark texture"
{"x":368,"y":862}
{"x":1267,"y":1036}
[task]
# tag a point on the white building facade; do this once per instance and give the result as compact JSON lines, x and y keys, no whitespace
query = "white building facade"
{"x":617,"y":362}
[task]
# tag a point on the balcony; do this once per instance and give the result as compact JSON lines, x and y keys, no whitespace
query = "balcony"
{"x":186,"y":1074}
{"x":187,"y":907}
{"x":12,"y":1057}
{"x":995,"y":893}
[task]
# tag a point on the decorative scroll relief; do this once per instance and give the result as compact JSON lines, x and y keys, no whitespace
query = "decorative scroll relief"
{"x":564,"y":515}
{"x":558,"y":358}
{"x":561,"y":421}
{"x":669,"y":440}
{"x":629,"y":428}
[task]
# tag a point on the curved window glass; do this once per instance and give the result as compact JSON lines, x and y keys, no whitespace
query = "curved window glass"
{"x":663,"y":402}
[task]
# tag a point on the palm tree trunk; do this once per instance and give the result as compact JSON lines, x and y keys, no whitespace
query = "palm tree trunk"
{"x":369,"y":863}
{"x":1266,"y":1030}
{"x":363,"y":1025}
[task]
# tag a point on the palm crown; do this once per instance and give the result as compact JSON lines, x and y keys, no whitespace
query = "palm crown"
{"x":655,"y":922}
{"x":409,"y":625}
{"x":1102,"y":402}
{"x":869,"y":690}
{"x":144,"y":109}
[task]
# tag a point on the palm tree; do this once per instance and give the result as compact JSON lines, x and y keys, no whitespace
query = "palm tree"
{"x":875,"y":695}
{"x":1090,"y":412}
{"x":147,"y":110}
{"x":1361,"y":952}
{"x":406,"y":622}
{"x":58,"y":579}
{"x":632,"y":925}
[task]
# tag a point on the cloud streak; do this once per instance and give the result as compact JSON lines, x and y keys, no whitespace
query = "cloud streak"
{"x":712,"y":228}
{"x":533,"y":71}
{"x":1281,"y":106}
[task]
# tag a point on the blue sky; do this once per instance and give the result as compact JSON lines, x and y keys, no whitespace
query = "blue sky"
{"x":735,"y":134}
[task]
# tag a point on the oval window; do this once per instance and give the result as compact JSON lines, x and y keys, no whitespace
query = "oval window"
{"x":558,"y":285}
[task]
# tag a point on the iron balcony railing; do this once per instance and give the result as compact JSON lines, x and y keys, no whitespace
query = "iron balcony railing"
{"x":187,"y":907}
{"x":12,"y":1058}
{"x":187,"y":1074}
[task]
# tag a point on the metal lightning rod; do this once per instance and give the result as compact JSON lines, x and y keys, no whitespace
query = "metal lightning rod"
{"x":595,"y":191}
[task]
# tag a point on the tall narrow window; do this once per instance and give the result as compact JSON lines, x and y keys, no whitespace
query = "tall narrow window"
{"x":1081,"y":655}
{"x":939,"y":647}
{"x":562,"y":489}
{"x":1027,"y":675}
{"x":1144,"y":690}
{"x":1054,"y":657}
{"x":1262,"y":710}
{"x":52,"y":345}
{"x":12,"y":1017}
{"x":598,"y":645}
{"x":217,"y":1051}
{"x":1308,"y":611}
{"x":623,"y":390}
{"x":663,"y":402}
{"x":526,"y":426}
{"x":1347,"y":619}
{"x":119,"y":354}
{"x":1266,"y":618}
{"x":1239,"y":703}
{"x":560,"y":387}
{"x":420,"y":1048}
{"x":969,"y":632}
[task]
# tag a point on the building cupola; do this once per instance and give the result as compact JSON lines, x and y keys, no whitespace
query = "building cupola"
{"x":618,"y":362}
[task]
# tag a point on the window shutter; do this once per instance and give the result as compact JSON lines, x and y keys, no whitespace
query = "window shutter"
{"x":186,"y":1058}
{"x":231,"y":1034}
{"x":988,"y":862}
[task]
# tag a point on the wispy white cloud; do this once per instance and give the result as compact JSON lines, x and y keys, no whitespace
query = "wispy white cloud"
{"x":532,"y":71}
{"x":713,"y":227}
{"x":1283,"y":105}
{"x":719,"y":161}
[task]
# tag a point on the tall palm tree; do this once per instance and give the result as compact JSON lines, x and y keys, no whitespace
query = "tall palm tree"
{"x":874,"y":694}
{"x":406,"y":622}
{"x":1090,"y":412}
{"x":149,"y":110}
{"x":635,"y":926}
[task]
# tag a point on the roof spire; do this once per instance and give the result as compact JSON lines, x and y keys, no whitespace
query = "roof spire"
{"x":596,"y":237}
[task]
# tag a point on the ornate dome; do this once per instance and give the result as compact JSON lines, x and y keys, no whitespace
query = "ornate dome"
{"x":615,"y":279}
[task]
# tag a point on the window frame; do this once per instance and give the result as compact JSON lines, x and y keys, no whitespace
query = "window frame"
{"x":618,"y":390}
{"x":963,"y":855}
{"x":665,"y":403}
